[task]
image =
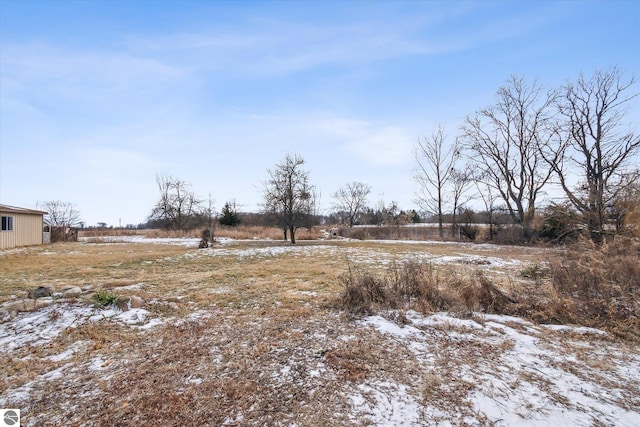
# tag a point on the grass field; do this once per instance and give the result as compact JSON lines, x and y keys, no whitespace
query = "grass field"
{"x":255,"y":333}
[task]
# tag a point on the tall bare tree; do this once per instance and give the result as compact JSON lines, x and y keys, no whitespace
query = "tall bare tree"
{"x":352,"y":199}
{"x":461,"y":180}
{"x":177,"y":205}
{"x":505,"y":138}
{"x":61,"y":214}
{"x":436,"y":160}
{"x":288,"y":196}
{"x":596,"y":144}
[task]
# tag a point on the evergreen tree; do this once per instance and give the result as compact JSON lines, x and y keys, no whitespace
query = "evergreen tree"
{"x":229,"y":215}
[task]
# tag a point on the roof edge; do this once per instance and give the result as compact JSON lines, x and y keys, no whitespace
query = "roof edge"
{"x":19,"y":210}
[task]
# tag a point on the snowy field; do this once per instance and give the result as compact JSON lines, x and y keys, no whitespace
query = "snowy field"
{"x":265,"y":346}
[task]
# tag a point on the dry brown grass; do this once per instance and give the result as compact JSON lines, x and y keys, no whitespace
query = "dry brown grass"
{"x":423,"y":287}
{"x":600,"y":287}
{"x":588,"y":286}
{"x":240,"y":232}
{"x":244,"y":232}
{"x":269,"y":346}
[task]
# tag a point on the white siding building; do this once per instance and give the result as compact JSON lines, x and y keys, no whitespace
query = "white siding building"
{"x":20,"y":227}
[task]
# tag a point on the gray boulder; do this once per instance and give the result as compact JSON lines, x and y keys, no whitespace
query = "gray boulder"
{"x":40,"y":292}
{"x":73,"y":292}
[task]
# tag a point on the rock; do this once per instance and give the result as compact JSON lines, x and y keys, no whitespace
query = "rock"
{"x":127,"y":303}
{"x":173,"y":306}
{"x":40,"y":292}
{"x":27,"y":305}
{"x":73,"y":292}
{"x":136,"y":302}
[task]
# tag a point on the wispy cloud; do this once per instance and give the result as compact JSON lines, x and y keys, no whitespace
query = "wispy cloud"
{"x":275,"y":46}
{"x":373,"y":144}
{"x":36,"y":61}
{"x":272,"y":47}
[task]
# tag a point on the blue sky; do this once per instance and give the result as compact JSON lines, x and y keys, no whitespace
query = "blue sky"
{"x":97,"y":97}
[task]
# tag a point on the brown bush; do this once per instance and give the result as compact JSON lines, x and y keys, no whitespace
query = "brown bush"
{"x":600,"y":287}
{"x":421,"y":287}
{"x":588,"y":286}
{"x":364,"y":292}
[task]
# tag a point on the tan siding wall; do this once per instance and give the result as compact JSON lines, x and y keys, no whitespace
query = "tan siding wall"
{"x":27,"y":230}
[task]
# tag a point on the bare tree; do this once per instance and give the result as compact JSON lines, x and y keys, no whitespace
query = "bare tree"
{"x":288,"y":196}
{"x":61,"y":214}
{"x":177,"y":205}
{"x":461,"y":180}
{"x":505,"y":138}
{"x":436,"y":160}
{"x":489,"y":197}
{"x":596,"y":144}
{"x":352,"y":199}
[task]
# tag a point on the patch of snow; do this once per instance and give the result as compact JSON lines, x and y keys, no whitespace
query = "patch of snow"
{"x":180,"y":241}
{"x":97,"y":364}
{"x":135,"y":286}
{"x":193,"y":380}
{"x":68,"y":353}
{"x":386,"y":403}
{"x":40,"y":326}
{"x":45,"y":324}
{"x":529,"y":381}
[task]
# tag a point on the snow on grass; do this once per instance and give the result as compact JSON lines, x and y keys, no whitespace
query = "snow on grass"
{"x":40,"y":326}
{"x":385,"y":403}
{"x":366,"y":256}
{"x":44,"y":325}
{"x":179,"y":241}
{"x":74,"y":348}
{"x":356,"y":255}
{"x":532,"y":377}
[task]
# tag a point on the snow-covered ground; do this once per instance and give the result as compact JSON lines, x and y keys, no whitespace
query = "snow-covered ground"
{"x":392,"y":369}
{"x":495,"y":370}
{"x":46,"y":324}
{"x":180,"y":241}
{"x":534,"y":376}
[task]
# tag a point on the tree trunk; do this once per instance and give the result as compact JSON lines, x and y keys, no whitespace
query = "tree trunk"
{"x":292,"y":230}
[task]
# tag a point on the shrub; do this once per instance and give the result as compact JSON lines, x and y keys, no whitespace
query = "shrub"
{"x":470,"y":231}
{"x":587,"y":285}
{"x":560,"y":224}
{"x":357,"y":233}
{"x":363,"y":292}
{"x":600,"y":287}
{"x":104,"y":299}
{"x":421,"y":287}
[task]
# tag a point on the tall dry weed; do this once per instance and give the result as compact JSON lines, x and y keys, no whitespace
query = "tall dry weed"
{"x":600,"y":287}
{"x":419,"y":286}
{"x":587,"y":285}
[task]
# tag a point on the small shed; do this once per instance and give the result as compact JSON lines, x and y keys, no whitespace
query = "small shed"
{"x":20,"y":227}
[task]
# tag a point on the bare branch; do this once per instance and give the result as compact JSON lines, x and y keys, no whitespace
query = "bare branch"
{"x":595,"y":143}
{"x":435,"y":165}
{"x":288,"y":196}
{"x":505,"y":138}
{"x":352,"y":199}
